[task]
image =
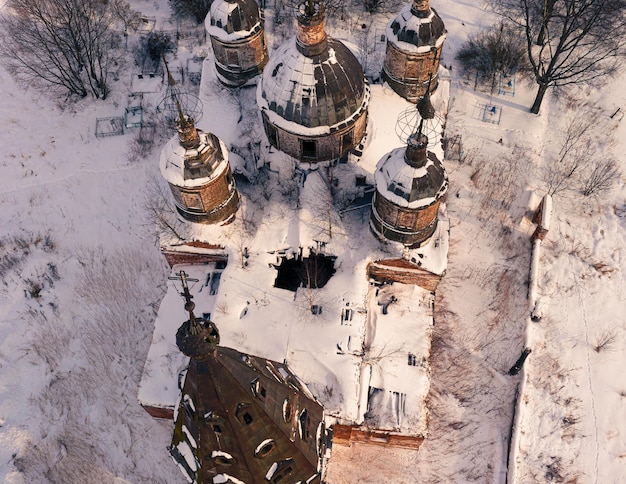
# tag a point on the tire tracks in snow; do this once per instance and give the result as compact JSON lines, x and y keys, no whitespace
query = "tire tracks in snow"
{"x":589,"y":379}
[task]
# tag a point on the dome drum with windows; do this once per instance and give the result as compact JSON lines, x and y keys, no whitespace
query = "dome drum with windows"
{"x":410,"y":182}
{"x":195,"y":164}
{"x":414,"y":44}
{"x":238,"y":40}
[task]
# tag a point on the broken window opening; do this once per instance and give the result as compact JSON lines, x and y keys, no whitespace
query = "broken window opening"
{"x":309,"y":149}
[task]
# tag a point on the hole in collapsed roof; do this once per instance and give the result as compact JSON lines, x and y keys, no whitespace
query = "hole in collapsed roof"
{"x":312,"y":272}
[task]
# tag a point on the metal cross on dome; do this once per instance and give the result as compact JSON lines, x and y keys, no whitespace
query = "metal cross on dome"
{"x":421,"y":119}
{"x":184,"y":279}
{"x":178,"y":102}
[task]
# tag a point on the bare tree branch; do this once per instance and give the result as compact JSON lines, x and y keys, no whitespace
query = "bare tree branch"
{"x":68,"y":45}
{"x":568,"y":41}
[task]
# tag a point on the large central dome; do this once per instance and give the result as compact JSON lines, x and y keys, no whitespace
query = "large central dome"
{"x":313,"y":95}
{"x":321,"y":90}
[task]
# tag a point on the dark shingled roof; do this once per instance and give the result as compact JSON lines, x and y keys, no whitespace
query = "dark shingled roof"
{"x":316,"y":90}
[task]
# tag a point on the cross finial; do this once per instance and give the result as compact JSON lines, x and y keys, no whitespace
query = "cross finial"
{"x":184,"y":279}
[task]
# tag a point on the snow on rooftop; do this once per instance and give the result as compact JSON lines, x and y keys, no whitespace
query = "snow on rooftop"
{"x":232,"y":21}
{"x":172,"y":161}
{"x":433,"y":256}
{"x":159,"y":384}
{"x":309,"y":94}
{"x":327,"y":350}
{"x":400,"y":319}
{"x":406,"y":22}
{"x":396,"y":180}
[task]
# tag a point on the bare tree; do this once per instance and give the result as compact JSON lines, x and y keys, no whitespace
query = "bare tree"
{"x":566,"y":166}
{"x":161,"y":213}
{"x":196,"y":9}
{"x":493,"y":51}
{"x":568,"y":41}
{"x":601,"y":177}
{"x":64,"y":44}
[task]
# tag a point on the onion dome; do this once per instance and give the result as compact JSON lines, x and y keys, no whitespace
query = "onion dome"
{"x":414,"y":42}
{"x":412,"y":177}
{"x":409,"y":185}
{"x":238,"y":40}
{"x":233,"y":19}
{"x":195,"y":164}
{"x":313,"y":94}
{"x":418,"y":26}
{"x":197,"y":338}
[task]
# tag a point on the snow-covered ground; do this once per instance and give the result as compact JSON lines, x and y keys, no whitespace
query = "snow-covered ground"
{"x":82,"y":279}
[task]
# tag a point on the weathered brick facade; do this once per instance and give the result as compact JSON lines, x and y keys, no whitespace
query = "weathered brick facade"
{"x":410,"y":227}
{"x":346,"y":435}
{"x":215,"y":202}
{"x":165,"y":413}
{"x":327,"y":146}
{"x":414,"y":44}
{"x":239,"y":61}
{"x":194,"y":253}
{"x":408,"y":73}
{"x":311,"y":31}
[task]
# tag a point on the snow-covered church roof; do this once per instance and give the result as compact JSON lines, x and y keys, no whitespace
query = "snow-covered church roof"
{"x":175,"y":160}
{"x":231,"y":20}
{"x":417,"y":28}
{"x":321,"y":90}
{"x":313,"y":81}
{"x":408,"y":183}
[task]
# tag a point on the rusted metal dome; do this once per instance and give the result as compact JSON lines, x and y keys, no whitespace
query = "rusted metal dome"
{"x":232,"y":19}
{"x":312,"y":80}
{"x":323,"y":89}
{"x":411,"y":177}
{"x":417,"y":25}
{"x":197,"y":338}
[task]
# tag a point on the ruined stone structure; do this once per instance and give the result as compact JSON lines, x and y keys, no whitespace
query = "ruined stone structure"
{"x":409,"y":185}
{"x":313,"y":95}
{"x":414,"y":43}
{"x":238,"y":40}
{"x":195,"y":164}
{"x":242,"y":418}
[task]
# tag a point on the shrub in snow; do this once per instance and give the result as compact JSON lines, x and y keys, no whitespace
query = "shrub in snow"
{"x":492,"y":52}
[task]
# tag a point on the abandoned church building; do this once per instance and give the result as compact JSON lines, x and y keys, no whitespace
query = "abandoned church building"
{"x":323,"y":294}
{"x":195,"y":164}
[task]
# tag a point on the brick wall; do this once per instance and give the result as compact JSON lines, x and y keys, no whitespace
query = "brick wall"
{"x":311,"y":34}
{"x":219,"y":197}
{"x":251,"y":55}
{"x":402,"y":271}
{"x":419,"y":223}
{"x":345,"y":435}
{"x":329,"y":146}
{"x":159,"y":412}
{"x":407,"y":73}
